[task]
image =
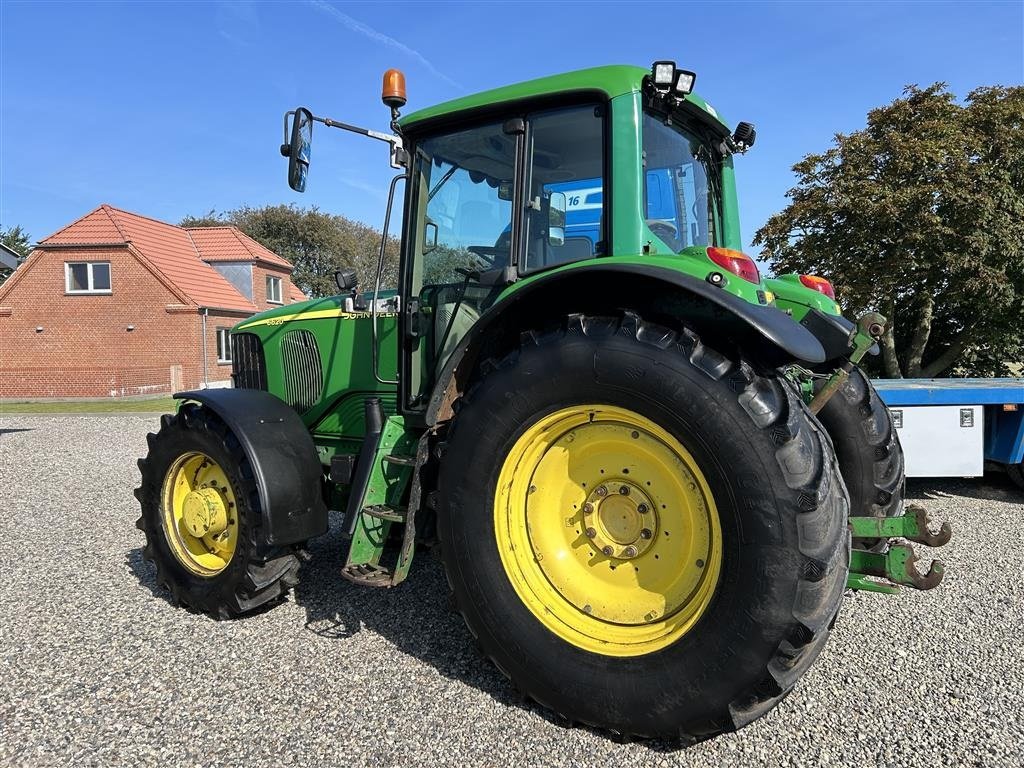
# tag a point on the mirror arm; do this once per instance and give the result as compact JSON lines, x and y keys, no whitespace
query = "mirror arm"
{"x":399,"y":157}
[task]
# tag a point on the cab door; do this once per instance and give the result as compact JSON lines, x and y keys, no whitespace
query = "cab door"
{"x":459,"y":244}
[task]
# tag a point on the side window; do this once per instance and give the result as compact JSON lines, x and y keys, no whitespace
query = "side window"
{"x":467,"y":178}
{"x":566,"y":155}
{"x":273,"y":290}
{"x":678,"y":188}
{"x":223,"y":345}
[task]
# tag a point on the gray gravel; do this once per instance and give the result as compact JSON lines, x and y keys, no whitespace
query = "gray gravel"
{"x":97,"y":668}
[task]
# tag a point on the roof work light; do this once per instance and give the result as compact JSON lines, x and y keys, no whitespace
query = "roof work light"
{"x":666,"y":77}
{"x":663,"y":74}
{"x":684,"y":81}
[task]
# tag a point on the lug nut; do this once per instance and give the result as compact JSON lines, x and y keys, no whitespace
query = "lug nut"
{"x":624,"y":490}
{"x":642,"y":509}
{"x":629,"y":551}
{"x":588,"y":508}
{"x":607,"y":550}
{"x":602,"y":491}
{"x":646,"y":533}
{"x":591,"y":533}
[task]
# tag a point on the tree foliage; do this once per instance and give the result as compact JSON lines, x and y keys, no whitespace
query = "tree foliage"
{"x":17,"y":240}
{"x":920,"y":215}
{"x":317,"y":244}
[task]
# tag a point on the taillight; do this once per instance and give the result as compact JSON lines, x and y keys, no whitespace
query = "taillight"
{"x":819,"y":284}
{"x":736,"y":262}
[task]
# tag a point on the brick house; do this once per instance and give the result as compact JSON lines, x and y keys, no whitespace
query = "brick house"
{"x":120,"y":304}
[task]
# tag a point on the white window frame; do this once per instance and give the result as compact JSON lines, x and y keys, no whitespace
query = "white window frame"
{"x":224,"y":345}
{"x":274,"y":281}
{"x":89,"y":272}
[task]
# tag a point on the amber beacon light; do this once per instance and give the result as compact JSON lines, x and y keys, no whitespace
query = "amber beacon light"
{"x":393,"y":92}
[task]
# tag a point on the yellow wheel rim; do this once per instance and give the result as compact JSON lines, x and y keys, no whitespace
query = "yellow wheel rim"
{"x":200,"y":516}
{"x":607,"y":530}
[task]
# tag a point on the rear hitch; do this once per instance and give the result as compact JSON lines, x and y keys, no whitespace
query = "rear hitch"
{"x":897,"y":565}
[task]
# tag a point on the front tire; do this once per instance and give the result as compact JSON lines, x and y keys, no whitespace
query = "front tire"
{"x":201,"y":515}
{"x":746,"y":549}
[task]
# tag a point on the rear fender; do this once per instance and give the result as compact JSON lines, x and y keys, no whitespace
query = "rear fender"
{"x":283,"y":458}
{"x":762,"y":334}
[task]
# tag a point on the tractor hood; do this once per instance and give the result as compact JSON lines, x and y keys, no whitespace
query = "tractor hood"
{"x":330,"y":306}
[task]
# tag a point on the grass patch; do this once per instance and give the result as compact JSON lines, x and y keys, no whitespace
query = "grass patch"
{"x":109,"y":405}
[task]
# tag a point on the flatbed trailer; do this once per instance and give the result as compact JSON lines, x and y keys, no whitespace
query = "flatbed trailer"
{"x":954,"y":427}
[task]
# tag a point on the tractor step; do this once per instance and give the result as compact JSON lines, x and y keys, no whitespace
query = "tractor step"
{"x":384,"y":512}
{"x":368,"y":575}
{"x":897,"y":563}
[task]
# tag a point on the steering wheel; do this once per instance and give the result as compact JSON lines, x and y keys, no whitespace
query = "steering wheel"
{"x":667,"y":233}
{"x":488,"y":255}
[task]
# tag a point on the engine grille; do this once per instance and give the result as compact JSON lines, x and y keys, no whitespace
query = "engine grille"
{"x":248,"y":365}
{"x":303,"y":373}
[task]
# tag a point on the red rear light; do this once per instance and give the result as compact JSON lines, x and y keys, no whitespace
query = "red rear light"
{"x":819,"y":284}
{"x":736,"y":262}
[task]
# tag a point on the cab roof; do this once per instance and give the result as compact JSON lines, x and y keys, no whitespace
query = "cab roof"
{"x":614,"y":80}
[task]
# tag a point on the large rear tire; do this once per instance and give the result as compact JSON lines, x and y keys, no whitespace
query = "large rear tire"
{"x":201,"y":516}
{"x":683,"y":620}
{"x":868,"y":450}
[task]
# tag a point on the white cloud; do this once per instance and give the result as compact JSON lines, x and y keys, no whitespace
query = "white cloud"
{"x":380,"y":37}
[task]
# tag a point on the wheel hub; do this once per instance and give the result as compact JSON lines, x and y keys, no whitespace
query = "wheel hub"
{"x":621,"y":519}
{"x":608,"y":529}
{"x":204,"y":512}
{"x":200,"y":514}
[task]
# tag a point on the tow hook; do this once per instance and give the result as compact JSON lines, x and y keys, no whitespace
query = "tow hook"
{"x":897,"y":565}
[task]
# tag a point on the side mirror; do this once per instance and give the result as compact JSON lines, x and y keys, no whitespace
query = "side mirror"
{"x":298,"y":149}
{"x":347,"y":279}
{"x":429,"y":237}
{"x":556,"y":219}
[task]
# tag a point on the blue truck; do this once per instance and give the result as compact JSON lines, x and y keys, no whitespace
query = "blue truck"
{"x":957,"y":427}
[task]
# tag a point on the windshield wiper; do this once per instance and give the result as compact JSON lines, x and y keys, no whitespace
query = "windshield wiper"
{"x":441,"y":181}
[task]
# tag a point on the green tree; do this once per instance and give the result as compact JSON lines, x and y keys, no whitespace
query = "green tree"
{"x":317,"y":244}
{"x":920,"y":215}
{"x":17,"y":240}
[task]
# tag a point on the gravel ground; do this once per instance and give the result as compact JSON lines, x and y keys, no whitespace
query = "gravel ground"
{"x":97,"y":668}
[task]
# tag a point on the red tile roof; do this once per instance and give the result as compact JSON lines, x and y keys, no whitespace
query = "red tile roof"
{"x":295,"y":293}
{"x":177,"y":254}
{"x":230,"y":244}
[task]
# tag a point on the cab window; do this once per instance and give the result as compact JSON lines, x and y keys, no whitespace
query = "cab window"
{"x":463,"y":190}
{"x":566,"y":156}
{"x":678,"y":186}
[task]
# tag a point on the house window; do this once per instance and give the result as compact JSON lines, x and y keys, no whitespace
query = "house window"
{"x":223,"y":345}
{"x":273,"y":289}
{"x":87,"y":276}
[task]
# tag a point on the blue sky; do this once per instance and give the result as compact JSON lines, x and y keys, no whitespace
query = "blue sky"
{"x":176,"y":108}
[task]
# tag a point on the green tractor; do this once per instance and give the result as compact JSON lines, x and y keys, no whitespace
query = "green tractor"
{"x":650,"y":473}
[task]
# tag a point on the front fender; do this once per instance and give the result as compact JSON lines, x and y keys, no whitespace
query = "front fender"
{"x":283,"y":458}
{"x":762,"y":332}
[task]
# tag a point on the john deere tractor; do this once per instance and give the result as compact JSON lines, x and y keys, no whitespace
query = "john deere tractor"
{"x":650,"y":472}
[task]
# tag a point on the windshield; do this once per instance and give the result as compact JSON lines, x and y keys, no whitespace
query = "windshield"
{"x":681,"y":177}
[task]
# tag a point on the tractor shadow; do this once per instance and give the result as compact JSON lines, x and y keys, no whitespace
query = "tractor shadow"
{"x":415,"y":617}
